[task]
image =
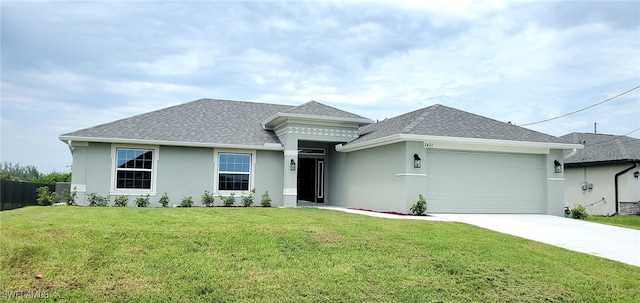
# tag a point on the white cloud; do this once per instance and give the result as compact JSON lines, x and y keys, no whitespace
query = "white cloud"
{"x":69,"y":65}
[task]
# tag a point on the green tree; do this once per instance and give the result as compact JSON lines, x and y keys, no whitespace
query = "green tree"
{"x":53,"y":177}
{"x":30,"y":173}
{"x":17,"y":172}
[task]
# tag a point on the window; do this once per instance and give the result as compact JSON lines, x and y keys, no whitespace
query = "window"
{"x":134,"y":168}
{"x":234,"y":171}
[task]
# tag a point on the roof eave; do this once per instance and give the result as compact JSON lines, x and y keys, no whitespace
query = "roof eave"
{"x":265,"y":146}
{"x":475,"y":141}
{"x":597,"y":163}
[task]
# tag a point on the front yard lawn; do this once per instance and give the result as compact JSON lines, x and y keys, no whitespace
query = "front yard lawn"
{"x":628,"y":221}
{"x":287,"y":255}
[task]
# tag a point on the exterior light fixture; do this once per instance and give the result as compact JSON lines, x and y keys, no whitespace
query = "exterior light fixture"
{"x":292,"y":165}
{"x":636,"y":174}
{"x":558,"y":166}
{"x":417,"y":162}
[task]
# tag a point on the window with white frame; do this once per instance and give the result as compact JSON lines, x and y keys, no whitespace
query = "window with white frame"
{"x":234,"y":171}
{"x":134,"y":168}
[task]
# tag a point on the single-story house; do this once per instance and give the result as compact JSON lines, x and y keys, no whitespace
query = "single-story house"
{"x":604,"y":175}
{"x":314,"y":153}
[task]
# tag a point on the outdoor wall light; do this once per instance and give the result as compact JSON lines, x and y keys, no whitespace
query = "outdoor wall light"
{"x":416,"y":161}
{"x":636,"y":174}
{"x":292,"y":165}
{"x":558,"y":166}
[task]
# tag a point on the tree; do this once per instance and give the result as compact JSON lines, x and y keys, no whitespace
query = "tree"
{"x":16,"y":172}
{"x":30,"y":173}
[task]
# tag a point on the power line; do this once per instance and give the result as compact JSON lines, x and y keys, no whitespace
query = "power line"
{"x":615,"y":138}
{"x":577,"y":111}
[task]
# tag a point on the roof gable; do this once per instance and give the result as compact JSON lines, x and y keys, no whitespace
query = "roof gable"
{"x":314,"y":111}
{"x":442,"y":121}
{"x":313,"y":108}
{"x":603,"y":148}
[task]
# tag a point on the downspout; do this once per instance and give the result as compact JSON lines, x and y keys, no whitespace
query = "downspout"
{"x":616,"y":182}
{"x":569,"y":155}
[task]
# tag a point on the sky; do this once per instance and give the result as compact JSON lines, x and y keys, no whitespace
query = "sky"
{"x":68,"y":65}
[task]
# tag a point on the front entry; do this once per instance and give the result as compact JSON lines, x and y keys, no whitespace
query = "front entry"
{"x":311,"y":180}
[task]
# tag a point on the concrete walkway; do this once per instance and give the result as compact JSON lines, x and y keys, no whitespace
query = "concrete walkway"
{"x":606,"y":241}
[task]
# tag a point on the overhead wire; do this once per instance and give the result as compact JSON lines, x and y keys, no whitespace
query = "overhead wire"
{"x":582,"y":109}
{"x":615,"y":138}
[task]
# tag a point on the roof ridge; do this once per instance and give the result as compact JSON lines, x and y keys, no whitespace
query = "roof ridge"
{"x":420,"y":118}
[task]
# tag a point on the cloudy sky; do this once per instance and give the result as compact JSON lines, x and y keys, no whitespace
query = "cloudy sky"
{"x":71,"y":65}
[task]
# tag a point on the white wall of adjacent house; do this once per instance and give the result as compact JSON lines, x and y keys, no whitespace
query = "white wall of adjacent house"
{"x":600,"y":184}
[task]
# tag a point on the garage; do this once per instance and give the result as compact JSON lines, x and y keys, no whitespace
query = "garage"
{"x":484,"y":182}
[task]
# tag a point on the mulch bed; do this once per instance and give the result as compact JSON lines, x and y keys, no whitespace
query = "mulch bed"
{"x":385,"y":212}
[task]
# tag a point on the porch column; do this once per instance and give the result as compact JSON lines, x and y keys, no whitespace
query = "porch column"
{"x":290,"y":190}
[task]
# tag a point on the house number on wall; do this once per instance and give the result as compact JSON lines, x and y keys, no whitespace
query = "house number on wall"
{"x":428,"y":144}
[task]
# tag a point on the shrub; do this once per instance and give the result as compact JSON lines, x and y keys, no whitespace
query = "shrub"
{"x":45,"y":197}
{"x":266,"y":200}
{"x":579,"y":212}
{"x":143,"y":201}
{"x":420,"y":207}
{"x":70,"y":197}
{"x":247,"y":200}
{"x":97,"y":200}
{"x":186,"y":202}
{"x":229,"y":200}
{"x":164,"y":200}
{"x":121,"y":201}
{"x":208,"y":198}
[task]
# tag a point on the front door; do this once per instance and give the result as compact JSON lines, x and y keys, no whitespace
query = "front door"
{"x":311,"y":180}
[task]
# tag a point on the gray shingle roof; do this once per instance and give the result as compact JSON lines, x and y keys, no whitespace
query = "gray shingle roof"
{"x":440,"y":120}
{"x":200,"y":121}
{"x":207,"y":121}
{"x":601,"y":148}
{"x":313,"y":108}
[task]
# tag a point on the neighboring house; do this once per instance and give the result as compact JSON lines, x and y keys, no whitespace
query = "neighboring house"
{"x":604,"y":175}
{"x":461,"y":162}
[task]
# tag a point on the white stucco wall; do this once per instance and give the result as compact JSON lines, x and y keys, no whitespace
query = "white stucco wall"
{"x":602,"y":178}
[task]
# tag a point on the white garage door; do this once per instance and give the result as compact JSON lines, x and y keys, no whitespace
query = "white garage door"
{"x":476,"y":182}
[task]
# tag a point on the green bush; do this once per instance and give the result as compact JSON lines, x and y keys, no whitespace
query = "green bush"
{"x":186,"y":202}
{"x":247,"y":199}
{"x":229,"y":200}
{"x":143,"y":201}
{"x":266,"y":200}
{"x":420,"y":207}
{"x":97,"y":200}
{"x":121,"y":201}
{"x":207,"y":199}
{"x":579,"y":212}
{"x":164,"y":200}
{"x":45,"y":197}
{"x":70,"y":197}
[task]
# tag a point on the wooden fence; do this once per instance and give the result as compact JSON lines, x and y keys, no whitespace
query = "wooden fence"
{"x":16,"y":194}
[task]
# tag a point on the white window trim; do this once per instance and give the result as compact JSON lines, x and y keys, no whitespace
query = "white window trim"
{"x":216,"y":175}
{"x":133,"y":191}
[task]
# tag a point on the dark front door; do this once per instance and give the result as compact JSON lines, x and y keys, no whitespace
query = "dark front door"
{"x":311,"y":180}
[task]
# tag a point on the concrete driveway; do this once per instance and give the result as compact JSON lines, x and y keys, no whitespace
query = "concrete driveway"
{"x":615,"y":243}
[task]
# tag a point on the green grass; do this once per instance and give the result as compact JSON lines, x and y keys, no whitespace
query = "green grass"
{"x":627,"y":221}
{"x":288,"y":255}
